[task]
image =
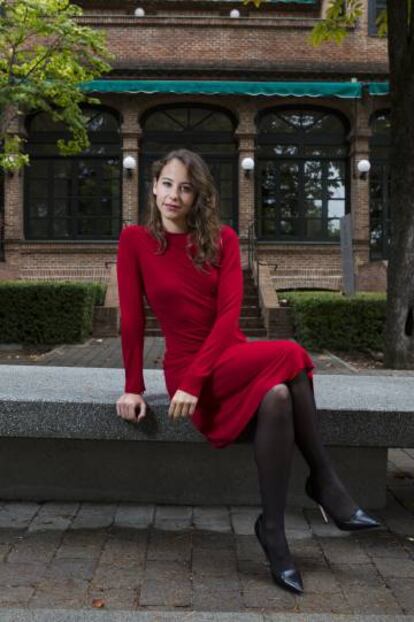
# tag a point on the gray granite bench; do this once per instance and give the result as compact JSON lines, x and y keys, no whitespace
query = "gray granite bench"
{"x":60,"y":438}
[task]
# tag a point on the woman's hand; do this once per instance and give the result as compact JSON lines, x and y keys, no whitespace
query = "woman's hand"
{"x":182,"y":405}
{"x":127,"y":405}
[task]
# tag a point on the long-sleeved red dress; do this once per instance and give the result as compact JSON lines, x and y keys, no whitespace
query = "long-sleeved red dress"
{"x":206,"y":355}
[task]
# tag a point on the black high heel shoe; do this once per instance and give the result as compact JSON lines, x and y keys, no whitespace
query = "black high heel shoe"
{"x":289,"y":578}
{"x":358,"y":521}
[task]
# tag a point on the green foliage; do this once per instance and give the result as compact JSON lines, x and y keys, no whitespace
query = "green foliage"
{"x":332,"y":321}
{"x":340,"y":15}
{"x":44,"y":56}
{"x":34,"y":312}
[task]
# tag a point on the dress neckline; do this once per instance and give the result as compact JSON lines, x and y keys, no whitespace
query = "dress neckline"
{"x":174,"y":233}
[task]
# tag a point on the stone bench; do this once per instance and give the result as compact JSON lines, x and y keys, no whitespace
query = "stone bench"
{"x":60,"y":439}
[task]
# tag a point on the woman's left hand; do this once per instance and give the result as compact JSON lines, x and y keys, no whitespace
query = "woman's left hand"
{"x":182,"y":405}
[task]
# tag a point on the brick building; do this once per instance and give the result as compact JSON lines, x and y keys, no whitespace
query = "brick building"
{"x":187,"y":73}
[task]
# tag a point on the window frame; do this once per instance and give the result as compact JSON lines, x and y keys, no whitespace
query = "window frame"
{"x":112,"y":139}
{"x":300,"y":158}
{"x":188,"y":139}
{"x":374,"y":8}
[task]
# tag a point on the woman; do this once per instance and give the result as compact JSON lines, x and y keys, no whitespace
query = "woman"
{"x":188,"y":266}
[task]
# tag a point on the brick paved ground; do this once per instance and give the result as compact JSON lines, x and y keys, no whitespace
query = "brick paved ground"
{"x":107,"y":353}
{"x":130,"y":557}
{"x":170,"y":558}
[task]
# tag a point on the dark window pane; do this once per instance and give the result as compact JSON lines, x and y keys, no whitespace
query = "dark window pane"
{"x":329,"y":124}
{"x":302,"y":121}
{"x":61,"y":228}
{"x":61,"y":207}
{"x":275,"y":124}
{"x":62,"y":168}
{"x":110,"y":187}
{"x":111,"y":168}
{"x":270,"y":212}
{"x":288,"y":209}
{"x":38,"y":169}
{"x":102,"y":121}
{"x":286,"y":150}
{"x":325,"y":151}
{"x":313,"y":228}
{"x":61,"y":187}
{"x":313,"y":208}
{"x":38,"y":228}
{"x":289,"y":227}
{"x":88,"y":206}
{"x":108,"y":206}
{"x":269,"y":227}
{"x":38,"y":188}
{"x":182,"y":119}
{"x":38,"y":208}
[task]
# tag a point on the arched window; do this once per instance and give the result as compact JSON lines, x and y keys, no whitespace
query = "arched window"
{"x":73,"y":197}
{"x":206,"y":130}
{"x":379,"y":186}
{"x":301,"y":175}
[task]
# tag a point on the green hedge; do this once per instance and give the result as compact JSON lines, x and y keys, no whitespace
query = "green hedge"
{"x":333,"y":321}
{"x":44,"y":312}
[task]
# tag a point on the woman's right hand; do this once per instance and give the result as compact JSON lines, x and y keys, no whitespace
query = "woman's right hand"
{"x":127,"y":406}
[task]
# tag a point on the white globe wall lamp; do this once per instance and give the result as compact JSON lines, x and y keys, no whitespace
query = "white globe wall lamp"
{"x":139,"y":12}
{"x":129,"y":165}
{"x":247,"y":165}
{"x":363,"y":167}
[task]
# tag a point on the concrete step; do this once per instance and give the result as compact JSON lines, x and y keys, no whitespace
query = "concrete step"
{"x":245,"y":322}
{"x":248,"y":331}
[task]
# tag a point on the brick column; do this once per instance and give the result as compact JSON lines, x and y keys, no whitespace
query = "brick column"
{"x":131,"y":134}
{"x":246,"y":134}
{"x":13,"y":196}
{"x":359,"y":138}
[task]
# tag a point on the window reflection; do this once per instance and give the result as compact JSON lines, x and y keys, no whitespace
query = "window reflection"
{"x":301,"y":185}
{"x":78,"y":196}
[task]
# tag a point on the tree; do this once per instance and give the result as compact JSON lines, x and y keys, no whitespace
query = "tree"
{"x":397,"y":23}
{"x":44,"y":56}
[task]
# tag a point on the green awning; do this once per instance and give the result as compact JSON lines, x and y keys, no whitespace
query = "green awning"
{"x":378,"y":88}
{"x":227,"y":87}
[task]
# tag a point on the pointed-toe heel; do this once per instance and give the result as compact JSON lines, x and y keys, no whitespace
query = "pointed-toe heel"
{"x":288,"y":578}
{"x":358,"y":521}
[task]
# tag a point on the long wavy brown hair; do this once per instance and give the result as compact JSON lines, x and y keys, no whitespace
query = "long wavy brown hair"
{"x":202,"y":220}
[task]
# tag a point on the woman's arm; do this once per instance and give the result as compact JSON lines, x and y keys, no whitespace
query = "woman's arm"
{"x":130,"y":291}
{"x":229,"y":301}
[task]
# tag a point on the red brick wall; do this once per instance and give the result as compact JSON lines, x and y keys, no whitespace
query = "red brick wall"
{"x":206,"y":42}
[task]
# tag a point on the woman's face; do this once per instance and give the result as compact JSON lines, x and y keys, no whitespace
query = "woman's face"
{"x":174,"y":195}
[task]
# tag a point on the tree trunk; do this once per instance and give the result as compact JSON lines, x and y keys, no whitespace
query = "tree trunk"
{"x":399,"y":326}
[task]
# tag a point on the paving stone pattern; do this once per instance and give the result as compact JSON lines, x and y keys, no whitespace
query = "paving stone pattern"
{"x":106,"y":352}
{"x":131,"y":557}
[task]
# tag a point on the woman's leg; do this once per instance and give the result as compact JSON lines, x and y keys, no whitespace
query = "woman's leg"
{"x":273,"y":447}
{"x":327,"y":485}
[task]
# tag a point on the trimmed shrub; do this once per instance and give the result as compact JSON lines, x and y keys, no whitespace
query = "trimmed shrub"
{"x":333,"y":321}
{"x":47,"y":312}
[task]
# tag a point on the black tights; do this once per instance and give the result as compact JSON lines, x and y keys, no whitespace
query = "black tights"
{"x":287,"y":414}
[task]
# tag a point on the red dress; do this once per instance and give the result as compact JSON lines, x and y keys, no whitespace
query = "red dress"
{"x":206,"y":355}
